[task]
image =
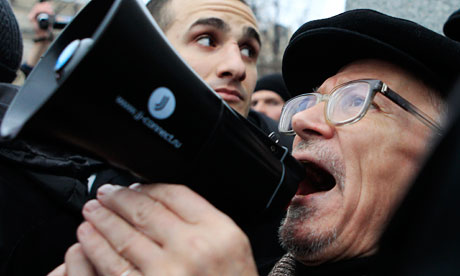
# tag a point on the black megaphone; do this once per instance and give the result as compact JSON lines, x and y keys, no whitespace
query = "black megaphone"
{"x":111,"y":84}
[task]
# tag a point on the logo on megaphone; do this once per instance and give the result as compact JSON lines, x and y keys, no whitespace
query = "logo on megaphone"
{"x":162,"y":103}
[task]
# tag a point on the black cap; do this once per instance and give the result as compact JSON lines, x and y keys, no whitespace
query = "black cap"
{"x":273,"y":82}
{"x":452,"y":26}
{"x":10,"y":43}
{"x":318,"y":49}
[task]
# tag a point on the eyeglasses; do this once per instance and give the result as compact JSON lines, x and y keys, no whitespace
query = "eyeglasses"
{"x":347,"y":104}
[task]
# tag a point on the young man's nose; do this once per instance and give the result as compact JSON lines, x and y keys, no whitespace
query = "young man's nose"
{"x":312,"y":121}
{"x":232,"y":64}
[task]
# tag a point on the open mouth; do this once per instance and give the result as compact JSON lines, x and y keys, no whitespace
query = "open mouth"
{"x":317,"y":180}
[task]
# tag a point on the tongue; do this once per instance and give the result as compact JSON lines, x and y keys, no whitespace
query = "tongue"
{"x":306,"y":187}
{"x":317,"y":180}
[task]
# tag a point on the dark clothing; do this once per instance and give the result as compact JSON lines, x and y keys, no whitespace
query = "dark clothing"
{"x":264,"y":236}
{"x":288,"y":266}
{"x":354,"y":267}
{"x":265,"y":245}
{"x":268,"y":125}
{"x":42,"y":191}
{"x":7,"y":93}
{"x":43,"y":186}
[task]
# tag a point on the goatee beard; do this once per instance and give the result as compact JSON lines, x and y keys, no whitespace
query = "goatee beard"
{"x":297,"y":238}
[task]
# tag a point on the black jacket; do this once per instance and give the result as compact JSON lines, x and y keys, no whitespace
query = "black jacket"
{"x":43,"y":186}
{"x":289,"y":266}
{"x":268,"y":125}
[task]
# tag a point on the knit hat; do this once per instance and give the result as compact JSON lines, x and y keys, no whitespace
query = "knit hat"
{"x":452,"y":26}
{"x":273,"y":82}
{"x":320,"y":48}
{"x":10,"y":43}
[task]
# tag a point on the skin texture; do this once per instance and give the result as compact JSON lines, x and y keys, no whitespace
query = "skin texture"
{"x":268,"y":102}
{"x":149,"y":237}
{"x":372,"y":161}
{"x":163,"y":229}
{"x":220,"y":41}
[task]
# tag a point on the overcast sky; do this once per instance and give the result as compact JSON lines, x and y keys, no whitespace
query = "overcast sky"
{"x":296,"y":12}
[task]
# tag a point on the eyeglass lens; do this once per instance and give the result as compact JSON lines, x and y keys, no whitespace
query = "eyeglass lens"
{"x":346,"y":103}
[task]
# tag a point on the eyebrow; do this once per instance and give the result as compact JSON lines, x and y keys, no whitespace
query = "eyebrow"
{"x":248,"y":32}
{"x":213,"y":22}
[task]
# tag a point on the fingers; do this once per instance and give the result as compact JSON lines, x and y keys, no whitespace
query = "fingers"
{"x":58,"y":271}
{"x":119,"y":240}
{"x":187,"y":204}
{"x":147,"y":215}
{"x":104,"y":258}
{"x":161,"y":229}
{"x":77,"y":263}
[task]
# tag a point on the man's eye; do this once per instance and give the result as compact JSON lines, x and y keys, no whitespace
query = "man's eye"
{"x":206,"y":41}
{"x":356,"y":101}
{"x":247,"y":51}
{"x":274,"y":102}
{"x":351,"y":101}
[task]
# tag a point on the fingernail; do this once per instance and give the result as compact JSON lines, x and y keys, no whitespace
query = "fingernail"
{"x":85,"y":229}
{"x":91,"y":205}
{"x":135,"y":186}
{"x":106,"y":189}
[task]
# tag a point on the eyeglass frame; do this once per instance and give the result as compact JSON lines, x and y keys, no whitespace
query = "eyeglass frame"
{"x":374,"y":87}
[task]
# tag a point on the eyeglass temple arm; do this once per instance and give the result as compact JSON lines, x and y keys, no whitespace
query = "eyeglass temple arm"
{"x":404,"y":104}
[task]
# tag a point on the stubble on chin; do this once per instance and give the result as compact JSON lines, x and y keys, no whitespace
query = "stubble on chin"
{"x":300,"y":239}
{"x":301,"y":233}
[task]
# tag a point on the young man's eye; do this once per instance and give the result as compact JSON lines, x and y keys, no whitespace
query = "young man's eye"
{"x":247,"y":51}
{"x":206,"y":41}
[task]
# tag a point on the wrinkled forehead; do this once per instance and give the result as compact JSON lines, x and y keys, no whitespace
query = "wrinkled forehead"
{"x":392,"y":74}
{"x":227,"y":10}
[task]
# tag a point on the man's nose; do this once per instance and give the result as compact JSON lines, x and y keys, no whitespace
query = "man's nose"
{"x":232,"y":64}
{"x":312,"y":121}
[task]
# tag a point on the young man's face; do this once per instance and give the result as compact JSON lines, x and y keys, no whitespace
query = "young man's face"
{"x":220,"y":41}
{"x":371,"y":161}
{"x":268,"y":102}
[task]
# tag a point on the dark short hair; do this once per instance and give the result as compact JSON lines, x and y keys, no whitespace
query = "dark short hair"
{"x":156,"y":8}
{"x":164,"y":18}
